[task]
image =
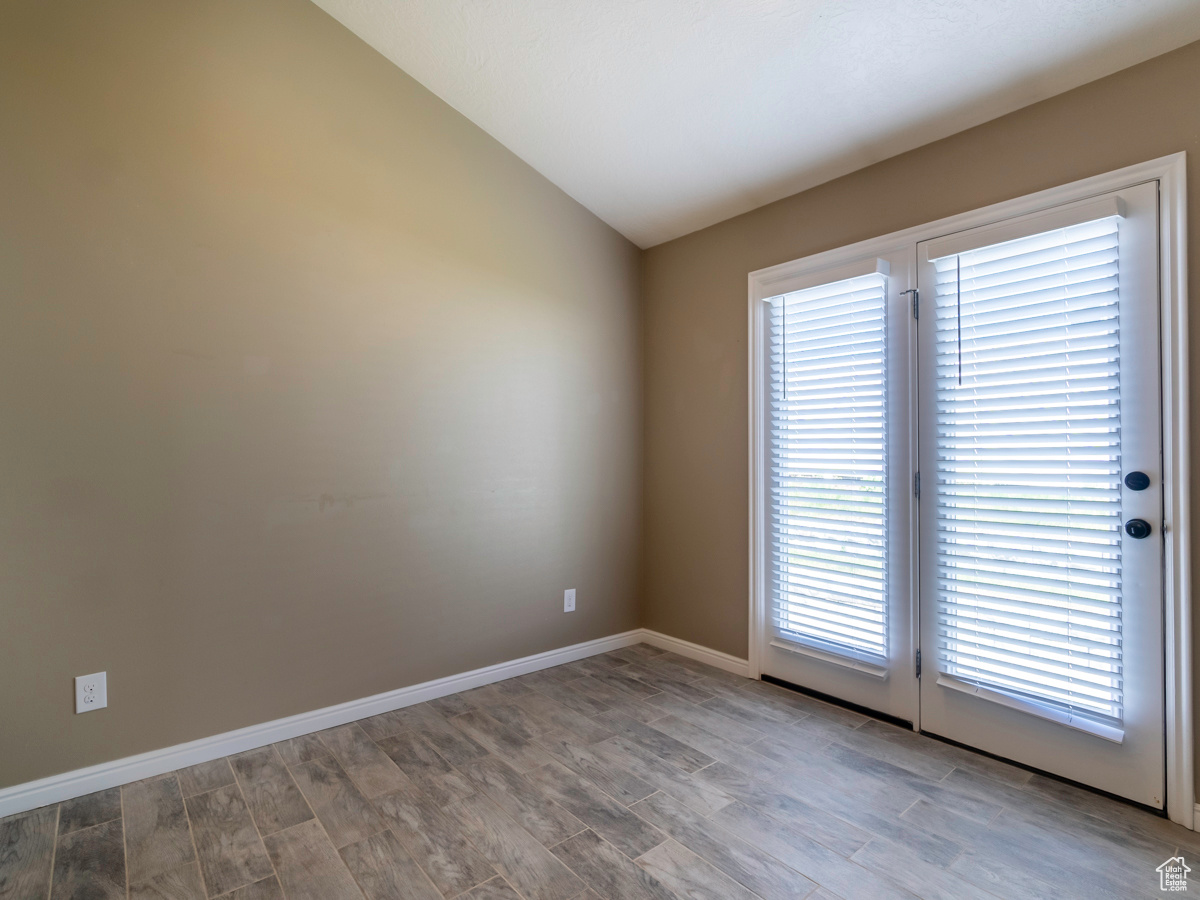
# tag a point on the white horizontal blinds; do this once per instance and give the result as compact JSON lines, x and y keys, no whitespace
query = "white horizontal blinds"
{"x":828,"y":501}
{"x":1028,"y":450}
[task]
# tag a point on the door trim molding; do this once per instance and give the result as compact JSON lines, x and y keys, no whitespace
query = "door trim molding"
{"x":1170,"y":173}
{"x":1177,"y":572}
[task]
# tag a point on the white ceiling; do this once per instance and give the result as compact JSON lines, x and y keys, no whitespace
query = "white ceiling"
{"x":664,"y":116}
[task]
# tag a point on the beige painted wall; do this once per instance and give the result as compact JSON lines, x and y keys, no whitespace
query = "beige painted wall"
{"x":309,"y":389}
{"x":694,"y":295}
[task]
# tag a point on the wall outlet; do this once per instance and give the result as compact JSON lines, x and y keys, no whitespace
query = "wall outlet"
{"x":569,"y":600}
{"x":91,"y":692}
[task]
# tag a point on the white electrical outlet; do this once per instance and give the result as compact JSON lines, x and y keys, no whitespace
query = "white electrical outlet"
{"x":91,"y":692}
{"x":569,"y":600}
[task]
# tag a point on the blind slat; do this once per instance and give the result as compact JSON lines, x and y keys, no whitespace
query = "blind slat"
{"x":1028,"y":450}
{"x":827,"y":399}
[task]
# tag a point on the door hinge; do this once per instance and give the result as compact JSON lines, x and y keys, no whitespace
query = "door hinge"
{"x":916,"y":302}
{"x":917,"y":485}
{"x":918,"y":663}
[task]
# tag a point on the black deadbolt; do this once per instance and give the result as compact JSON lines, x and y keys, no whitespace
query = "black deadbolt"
{"x":1137,"y":528}
{"x":1137,"y":481}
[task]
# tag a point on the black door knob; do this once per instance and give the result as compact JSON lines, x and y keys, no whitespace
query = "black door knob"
{"x":1137,"y":481}
{"x":1138,"y":528}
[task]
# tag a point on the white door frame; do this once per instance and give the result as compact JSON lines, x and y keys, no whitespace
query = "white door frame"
{"x":1170,"y":173}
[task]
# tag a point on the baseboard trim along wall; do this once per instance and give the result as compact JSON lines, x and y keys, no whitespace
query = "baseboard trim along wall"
{"x":56,"y":788}
{"x":697,"y":652}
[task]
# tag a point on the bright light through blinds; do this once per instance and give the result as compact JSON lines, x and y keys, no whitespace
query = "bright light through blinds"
{"x":1028,"y":448}
{"x":828,"y":501}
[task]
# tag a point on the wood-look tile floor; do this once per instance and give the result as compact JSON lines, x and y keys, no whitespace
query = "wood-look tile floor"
{"x":632,"y":775}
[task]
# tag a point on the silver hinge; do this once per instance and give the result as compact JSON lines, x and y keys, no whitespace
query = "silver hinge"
{"x":918,"y":663}
{"x":916,"y":302}
{"x":917,"y":485}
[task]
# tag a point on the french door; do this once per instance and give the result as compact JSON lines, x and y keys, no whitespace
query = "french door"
{"x":1041,"y":512}
{"x":960,"y":502}
{"x":838,"y":483}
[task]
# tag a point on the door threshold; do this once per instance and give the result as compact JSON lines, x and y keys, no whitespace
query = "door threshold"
{"x":837,"y":701}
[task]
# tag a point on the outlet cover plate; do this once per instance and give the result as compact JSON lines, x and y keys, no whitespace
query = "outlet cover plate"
{"x":569,"y":600}
{"x":91,"y":692}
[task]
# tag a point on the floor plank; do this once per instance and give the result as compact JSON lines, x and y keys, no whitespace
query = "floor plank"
{"x":618,"y":680}
{"x":308,"y":866}
{"x":450,"y":706}
{"x":675,"y":752}
{"x":520,"y":752}
{"x":608,"y":695}
{"x":712,"y":722}
{"x":267,"y":889}
{"x":489,"y":695}
{"x":898,"y":754}
{"x":496,"y":889}
{"x":181,"y":883}
{"x":812,"y":860}
{"x":949,"y":754}
{"x":230,"y":851}
{"x":89,"y":864}
{"x":600,"y":812}
{"x":607,"y":871}
{"x":157,"y":836}
{"x":663,"y":667}
{"x":824,"y":827}
{"x":702,"y":738}
{"x":943,"y":822}
{"x":451,"y":743}
{"x":529,"y":806}
{"x":274,"y":800}
{"x":367,"y":765}
{"x":857,"y":797}
{"x":1005,"y":880}
{"x":569,"y":695}
{"x":1051,"y":854}
{"x":384,"y":870}
{"x":207,"y":776}
{"x":686,"y":787}
{"x":26,"y":852}
{"x":750,"y":867}
{"x":342,"y":809}
{"x":616,"y":781}
{"x":557,"y":717}
{"x":896,"y":864}
{"x":664,"y":683}
{"x":512,"y":715}
{"x":685,"y":873}
{"x":383,"y":725}
{"x":299,"y":750}
{"x":419,"y":760}
{"x":966,"y":805}
{"x":434,"y":839}
{"x":89,"y":810}
{"x":525,"y":864}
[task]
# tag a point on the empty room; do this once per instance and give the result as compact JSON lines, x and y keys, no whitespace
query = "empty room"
{"x":562,"y":450}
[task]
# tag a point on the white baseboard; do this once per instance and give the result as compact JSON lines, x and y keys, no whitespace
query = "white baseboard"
{"x":697,"y":652}
{"x":56,"y":788}
{"x":79,"y":782}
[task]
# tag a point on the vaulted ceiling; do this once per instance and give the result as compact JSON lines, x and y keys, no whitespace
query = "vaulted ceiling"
{"x":665,"y":116}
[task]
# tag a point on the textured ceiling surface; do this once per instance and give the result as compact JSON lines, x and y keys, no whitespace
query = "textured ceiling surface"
{"x":664,"y":116}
